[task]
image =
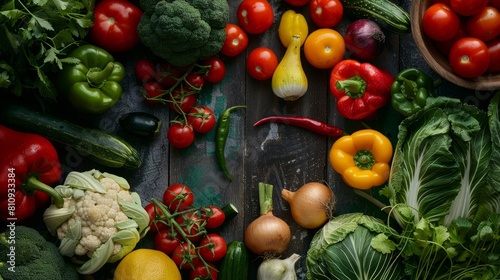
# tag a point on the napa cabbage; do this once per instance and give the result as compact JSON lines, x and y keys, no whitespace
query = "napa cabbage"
{"x":354,"y":246}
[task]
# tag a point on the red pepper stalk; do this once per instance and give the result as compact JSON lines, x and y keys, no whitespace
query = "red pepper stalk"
{"x":29,"y":164}
{"x":360,"y":88}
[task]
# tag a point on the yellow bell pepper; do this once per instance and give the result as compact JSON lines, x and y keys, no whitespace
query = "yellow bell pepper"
{"x":292,"y":23}
{"x":362,"y":159}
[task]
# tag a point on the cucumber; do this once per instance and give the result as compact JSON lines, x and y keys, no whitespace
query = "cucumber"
{"x":141,"y":123}
{"x":384,"y":12}
{"x":97,"y":145}
{"x":235,"y":263}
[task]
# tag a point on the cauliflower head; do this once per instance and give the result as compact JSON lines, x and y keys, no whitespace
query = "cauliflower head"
{"x":101,"y":220}
{"x":183,"y":31}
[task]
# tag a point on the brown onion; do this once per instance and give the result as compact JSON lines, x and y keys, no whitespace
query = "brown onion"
{"x":312,"y":205}
{"x":267,"y":234}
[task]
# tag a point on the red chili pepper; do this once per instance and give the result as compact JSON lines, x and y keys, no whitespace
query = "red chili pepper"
{"x":29,"y":164}
{"x":306,"y":123}
{"x":360,"y":88}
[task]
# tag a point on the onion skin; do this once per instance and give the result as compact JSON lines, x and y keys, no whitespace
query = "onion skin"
{"x":267,"y":234}
{"x":364,"y":39}
{"x":312,"y":205}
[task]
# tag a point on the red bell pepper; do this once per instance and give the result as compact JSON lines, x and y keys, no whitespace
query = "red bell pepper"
{"x":360,"y":88}
{"x":29,"y":164}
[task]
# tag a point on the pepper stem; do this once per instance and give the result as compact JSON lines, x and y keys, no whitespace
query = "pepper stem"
{"x":354,"y":87}
{"x":265,"y":198}
{"x":96,"y":76}
{"x":33,"y":184}
{"x":408,"y":88}
{"x":364,"y":159}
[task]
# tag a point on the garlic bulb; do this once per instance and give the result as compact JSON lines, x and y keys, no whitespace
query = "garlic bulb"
{"x":277,"y":269}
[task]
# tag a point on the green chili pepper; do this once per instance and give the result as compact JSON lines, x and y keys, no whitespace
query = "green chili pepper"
{"x":92,"y":84}
{"x":410,"y":90}
{"x":221,"y":137}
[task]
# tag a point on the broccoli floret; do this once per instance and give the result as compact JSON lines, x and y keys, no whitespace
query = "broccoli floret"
{"x":183,"y":31}
{"x":35,"y":258}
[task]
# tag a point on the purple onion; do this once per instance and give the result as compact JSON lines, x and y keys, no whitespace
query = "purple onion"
{"x":364,"y":39}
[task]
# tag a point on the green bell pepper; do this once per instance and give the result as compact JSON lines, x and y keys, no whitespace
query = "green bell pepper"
{"x":93,"y":84}
{"x":410,"y":90}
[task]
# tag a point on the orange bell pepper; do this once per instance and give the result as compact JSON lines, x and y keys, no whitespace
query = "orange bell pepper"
{"x":362,"y":159}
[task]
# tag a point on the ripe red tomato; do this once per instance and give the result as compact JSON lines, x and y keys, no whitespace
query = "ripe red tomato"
{"x":191,"y":225}
{"x":178,"y":197}
{"x":297,"y":2}
{"x":201,"y":118}
{"x":494,"y":50}
{"x":447,"y":2}
{"x":168,"y":75}
{"x":181,"y":101}
{"x":326,"y":13}
{"x":144,"y":70}
{"x":152,"y":90}
{"x":212,"y":247}
{"x":185,"y":255}
{"x":495,"y":4}
{"x":484,"y":25}
{"x":255,"y":16}
{"x":469,"y":57}
{"x":214,"y":216}
{"x":468,"y":7}
{"x":200,"y":271}
{"x":152,"y":211}
{"x":236,"y":40}
{"x":180,"y":135}
{"x":167,"y":240}
{"x":440,"y":23}
{"x":261,"y":63}
{"x":194,"y":81}
{"x":115,"y":25}
{"x":217,"y":70}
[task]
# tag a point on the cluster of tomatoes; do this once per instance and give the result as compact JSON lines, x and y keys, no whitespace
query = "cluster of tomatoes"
{"x":257,"y":16}
{"x":179,"y":87}
{"x":186,"y":233}
{"x":467,"y":32}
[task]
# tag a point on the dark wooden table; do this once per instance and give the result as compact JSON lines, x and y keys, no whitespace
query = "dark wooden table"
{"x":284,"y":156}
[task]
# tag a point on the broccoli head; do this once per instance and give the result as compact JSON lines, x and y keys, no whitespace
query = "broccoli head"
{"x":25,"y":254}
{"x":183,"y":31}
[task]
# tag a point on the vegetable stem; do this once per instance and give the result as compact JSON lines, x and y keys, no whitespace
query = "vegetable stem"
{"x":33,"y":184}
{"x":265,"y":198}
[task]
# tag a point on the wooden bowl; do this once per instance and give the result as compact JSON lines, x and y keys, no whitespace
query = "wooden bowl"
{"x":437,"y":61}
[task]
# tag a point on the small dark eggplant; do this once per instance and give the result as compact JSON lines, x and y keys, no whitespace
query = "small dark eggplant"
{"x":141,"y":123}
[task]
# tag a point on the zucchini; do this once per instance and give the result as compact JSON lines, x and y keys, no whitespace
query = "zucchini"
{"x":384,"y":12}
{"x":235,"y":263}
{"x":141,"y":123}
{"x":97,"y":145}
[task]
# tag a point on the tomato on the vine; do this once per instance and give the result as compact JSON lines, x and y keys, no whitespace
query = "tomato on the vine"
{"x":469,"y":57}
{"x":494,"y":50}
{"x":212,"y":247}
{"x":261,"y":63}
{"x":324,"y":48}
{"x":178,"y":197}
{"x":255,"y":16}
{"x":326,"y":13}
{"x":152,"y":211}
{"x":484,"y":25}
{"x":191,"y":224}
{"x":236,"y":40}
{"x":184,"y":256}
{"x":440,"y":23}
{"x":297,"y":2}
{"x":168,"y":75}
{"x":181,"y":101}
{"x":201,"y":118}
{"x":167,"y":240}
{"x":115,"y":25}
{"x":180,"y":135}
{"x":200,"y":271}
{"x":152,"y":90}
{"x":144,"y":70}
{"x":468,"y":7}
{"x":194,"y":81}
{"x":214,"y":216}
{"x":217,"y":70}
